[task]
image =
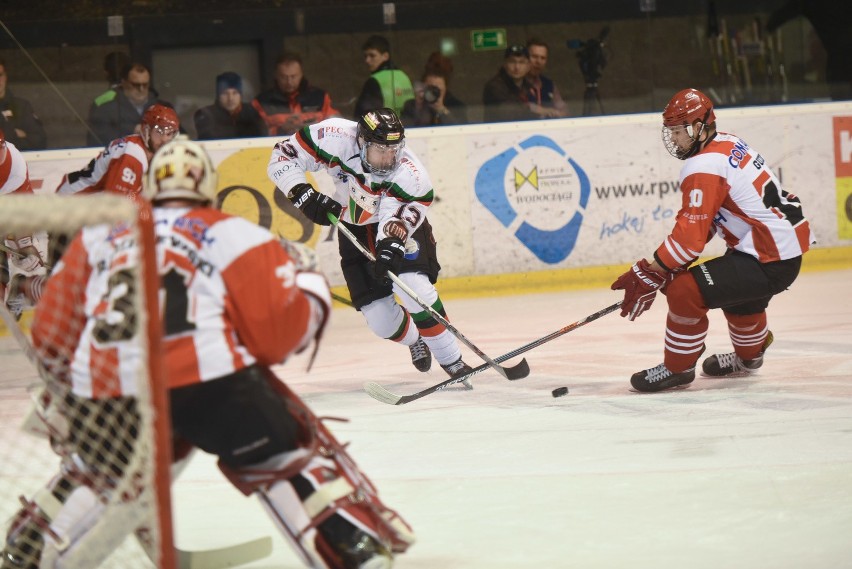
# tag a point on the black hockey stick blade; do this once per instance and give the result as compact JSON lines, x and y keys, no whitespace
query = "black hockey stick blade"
{"x":379,"y":393}
{"x":517,"y":371}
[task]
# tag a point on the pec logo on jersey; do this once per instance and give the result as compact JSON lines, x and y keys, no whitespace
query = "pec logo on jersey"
{"x":536,"y":181}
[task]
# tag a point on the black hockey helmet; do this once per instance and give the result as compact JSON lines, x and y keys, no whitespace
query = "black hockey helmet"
{"x":381,"y":126}
{"x":382,"y":131}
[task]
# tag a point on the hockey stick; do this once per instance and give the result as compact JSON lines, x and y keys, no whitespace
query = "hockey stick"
{"x":220,"y":558}
{"x":341,"y":299}
{"x":379,"y":393}
{"x":230,"y":556}
{"x":517,"y":371}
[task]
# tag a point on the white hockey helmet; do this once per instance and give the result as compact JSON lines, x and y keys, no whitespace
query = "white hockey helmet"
{"x":181,"y":169}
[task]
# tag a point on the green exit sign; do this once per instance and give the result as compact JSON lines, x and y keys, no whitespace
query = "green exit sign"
{"x":482,"y":40}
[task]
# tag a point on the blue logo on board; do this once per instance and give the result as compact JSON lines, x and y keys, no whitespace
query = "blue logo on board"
{"x":537,"y":187}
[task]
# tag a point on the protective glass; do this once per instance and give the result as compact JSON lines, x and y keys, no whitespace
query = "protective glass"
{"x":678,"y":140}
{"x":381,"y":159}
{"x":164,"y":131}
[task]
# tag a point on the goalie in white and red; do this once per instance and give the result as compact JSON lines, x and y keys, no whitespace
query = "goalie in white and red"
{"x":234,"y":303}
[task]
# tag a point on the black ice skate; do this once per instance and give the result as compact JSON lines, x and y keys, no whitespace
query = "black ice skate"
{"x":421,"y":357}
{"x":365,"y":553}
{"x":457,"y":368}
{"x":660,"y":378}
{"x":731,"y":365}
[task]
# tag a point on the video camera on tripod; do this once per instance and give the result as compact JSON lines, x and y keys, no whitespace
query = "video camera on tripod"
{"x":592,"y":59}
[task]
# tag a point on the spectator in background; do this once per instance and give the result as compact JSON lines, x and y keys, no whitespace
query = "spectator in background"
{"x":117,"y":112}
{"x":114,"y":62}
{"x":228,"y":117}
{"x":506,"y":96}
{"x":292,"y":102}
{"x":21,"y":125}
{"x":834,"y":28}
{"x":387,"y":87}
{"x":545,"y":99}
{"x":433,"y":104}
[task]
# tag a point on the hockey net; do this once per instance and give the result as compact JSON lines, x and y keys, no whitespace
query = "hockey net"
{"x":53,"y":440}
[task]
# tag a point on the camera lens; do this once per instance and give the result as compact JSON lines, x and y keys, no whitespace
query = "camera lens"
{"x":431,"y":93}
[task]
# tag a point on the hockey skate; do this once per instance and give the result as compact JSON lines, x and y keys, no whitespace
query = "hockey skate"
{"x":661,"y":378}
{"x":421,"y":357}
{"x":457,"y":368}
{"x":731,"y":365}
{"x":365,"y":553}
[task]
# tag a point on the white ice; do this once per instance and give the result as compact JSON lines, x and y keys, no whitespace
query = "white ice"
{"x":752,"y":472}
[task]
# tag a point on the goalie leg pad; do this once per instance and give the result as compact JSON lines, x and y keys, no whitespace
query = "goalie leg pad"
{"x":54,"y":528}
{"x":321,"y":500}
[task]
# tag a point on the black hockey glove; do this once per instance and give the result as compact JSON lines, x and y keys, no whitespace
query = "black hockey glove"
{"x":389,"y":254}
{"x":313,"y":204}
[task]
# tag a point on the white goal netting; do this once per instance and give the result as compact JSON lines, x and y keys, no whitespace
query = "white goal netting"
{"x":83,"y":463}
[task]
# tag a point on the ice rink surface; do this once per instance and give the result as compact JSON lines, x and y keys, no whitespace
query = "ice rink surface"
{"x":751,"y":472}
{"x":741,"y":473}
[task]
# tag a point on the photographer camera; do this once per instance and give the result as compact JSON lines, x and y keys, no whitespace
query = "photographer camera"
{"x":591,"y":59}
{"x":433,"y":104}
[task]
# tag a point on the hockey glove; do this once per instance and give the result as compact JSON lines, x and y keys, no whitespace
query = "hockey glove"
{"x":640,"y":285}
{"x":389,"y":255}
{"x":304,"y":257}
{"x":313,"y":204}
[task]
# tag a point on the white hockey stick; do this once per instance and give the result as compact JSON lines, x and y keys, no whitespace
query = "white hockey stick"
{"x":517,"y":371}
{"x":230,"y":556}
{"x":221,"y":558}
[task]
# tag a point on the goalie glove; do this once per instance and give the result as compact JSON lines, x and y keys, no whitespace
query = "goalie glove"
{"x":305,"y":258}
{"x":313,"y":204}
{"x":389,"y":254}
{"x":640,"y":285}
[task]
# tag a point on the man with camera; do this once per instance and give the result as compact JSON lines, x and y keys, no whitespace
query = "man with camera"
{"x":433,"y":104}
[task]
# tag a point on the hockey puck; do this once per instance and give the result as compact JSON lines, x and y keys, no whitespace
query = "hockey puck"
{"x":560,"y":391}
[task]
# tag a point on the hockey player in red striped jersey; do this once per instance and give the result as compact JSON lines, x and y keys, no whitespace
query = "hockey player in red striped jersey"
{"x":121,"y":166}
{"x":382,"y":194}
{"x":728,"y":190}
{"x":234,"y":302}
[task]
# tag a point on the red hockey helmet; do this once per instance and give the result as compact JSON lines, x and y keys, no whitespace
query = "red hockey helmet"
{"x":688,"y":106}
{"x":162,"y":118}
{"x":688,"y":111}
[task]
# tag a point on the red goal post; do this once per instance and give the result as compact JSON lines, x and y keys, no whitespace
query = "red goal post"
{"x":120,"y":451}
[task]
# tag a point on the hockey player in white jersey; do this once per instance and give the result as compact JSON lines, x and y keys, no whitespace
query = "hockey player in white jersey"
{"x":382,"y":194}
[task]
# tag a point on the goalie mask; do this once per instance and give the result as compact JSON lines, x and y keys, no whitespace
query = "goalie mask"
{"x":181,"y":170}
{"x":381,"y":137}
{"x":684,"y":119}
